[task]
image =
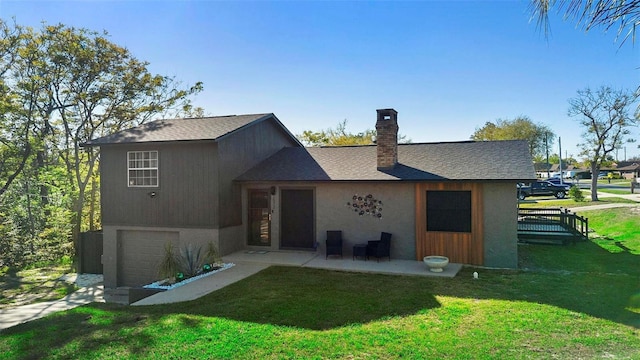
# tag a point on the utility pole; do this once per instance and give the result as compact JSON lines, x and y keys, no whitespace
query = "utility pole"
{"x":560,"y":156}
{"x":546,"y":146}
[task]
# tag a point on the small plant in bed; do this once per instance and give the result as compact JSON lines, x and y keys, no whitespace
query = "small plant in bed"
{"x":190,"y":264}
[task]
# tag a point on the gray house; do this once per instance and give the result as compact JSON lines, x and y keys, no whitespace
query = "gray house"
{"x":173,"y":181}
{"x":244,"y":182}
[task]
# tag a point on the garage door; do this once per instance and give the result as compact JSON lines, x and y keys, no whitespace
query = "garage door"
{"x":140,"y":253}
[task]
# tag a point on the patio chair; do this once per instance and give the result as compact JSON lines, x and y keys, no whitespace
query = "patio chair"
{"x":380,"y":248}
{"x":334,"y":243}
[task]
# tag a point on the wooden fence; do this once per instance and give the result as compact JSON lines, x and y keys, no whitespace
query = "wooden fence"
{"x":91,"y":252}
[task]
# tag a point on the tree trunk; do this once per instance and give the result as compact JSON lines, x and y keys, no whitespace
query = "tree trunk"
{"x":595,"y":171}
{"x":27,"y":190}
{"x":44,"y":190}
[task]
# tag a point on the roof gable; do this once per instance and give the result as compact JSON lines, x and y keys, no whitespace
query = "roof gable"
{"x":189,"y":129}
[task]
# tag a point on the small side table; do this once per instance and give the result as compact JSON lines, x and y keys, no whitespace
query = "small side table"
{"x":360,"y":250}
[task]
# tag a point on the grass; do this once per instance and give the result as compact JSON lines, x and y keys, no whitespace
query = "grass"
{"x":619,"y":182}
{"x":20,"y":287}
{"x":581,"y":308}
{"x":616,"y":191}
{"x":570,"y":203}
{"x":618,"y":230}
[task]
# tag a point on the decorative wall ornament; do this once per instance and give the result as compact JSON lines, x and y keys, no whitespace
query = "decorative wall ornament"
{"x":365,"y":205}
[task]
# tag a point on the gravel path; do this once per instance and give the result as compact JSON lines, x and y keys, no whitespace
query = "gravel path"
{"x":82,"y":280}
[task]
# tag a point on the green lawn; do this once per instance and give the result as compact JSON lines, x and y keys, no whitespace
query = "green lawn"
{"x":533,"y":202}
{"x":577,"y":301}
{"x":616,"y":191}
{"x":617,"y":230}
{"x":620,"y":182}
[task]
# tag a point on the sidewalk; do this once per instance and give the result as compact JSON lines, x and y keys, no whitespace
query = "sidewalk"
{"x":248,"y":263}
{"x":14,"y":316}
{"x":601,"y":195}
{"x":634,"y":197}
{"x":204,"y":286}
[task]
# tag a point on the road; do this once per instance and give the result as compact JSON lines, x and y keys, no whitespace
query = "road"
{"x":601,"y":195}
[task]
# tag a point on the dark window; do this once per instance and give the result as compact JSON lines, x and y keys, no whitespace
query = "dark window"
{"x":449,"y":211}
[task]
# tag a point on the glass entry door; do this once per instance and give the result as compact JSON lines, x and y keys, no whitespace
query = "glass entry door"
{"x":259,"y":218}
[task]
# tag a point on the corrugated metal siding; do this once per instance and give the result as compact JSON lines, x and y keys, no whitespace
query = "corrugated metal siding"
{"x":185,"y":196}
{"x":237,"y":154}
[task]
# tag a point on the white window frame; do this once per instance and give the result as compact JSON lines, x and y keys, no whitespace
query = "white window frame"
{"x":140,"y":163}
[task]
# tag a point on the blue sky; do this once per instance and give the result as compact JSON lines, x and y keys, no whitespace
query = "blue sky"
{"x":446,"y":67}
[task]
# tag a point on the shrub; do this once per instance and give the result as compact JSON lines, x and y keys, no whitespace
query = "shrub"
{"x":576,"y":194}
{"x":169,"y":264}
{"x":191,"y":261}
{"x":212,"y":255}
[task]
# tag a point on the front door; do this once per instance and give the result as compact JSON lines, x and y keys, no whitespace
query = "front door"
{"x":297,"y":219}
{"x":259,"y":218}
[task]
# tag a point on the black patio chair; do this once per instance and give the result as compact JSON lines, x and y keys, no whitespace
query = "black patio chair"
{"x":380,"y":248}
{"x":334,"y":243}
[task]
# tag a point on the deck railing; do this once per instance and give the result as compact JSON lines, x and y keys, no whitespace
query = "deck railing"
{"x":553,"y":221}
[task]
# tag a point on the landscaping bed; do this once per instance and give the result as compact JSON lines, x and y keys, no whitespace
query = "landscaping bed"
{"x":169,"y":285}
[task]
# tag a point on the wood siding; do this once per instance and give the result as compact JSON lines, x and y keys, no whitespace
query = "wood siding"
{"x":196,"y":187}
{"x":465,"y":248}
{"x":237,"y":154}
{"x":185,"y":196}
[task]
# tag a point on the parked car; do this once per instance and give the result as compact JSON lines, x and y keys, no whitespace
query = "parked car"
{"x":556,"y":181}
{"x":542,"y":188}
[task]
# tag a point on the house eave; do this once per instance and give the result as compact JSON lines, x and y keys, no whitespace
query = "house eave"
{"x":287,"y":181}
{"x":259,"y":120}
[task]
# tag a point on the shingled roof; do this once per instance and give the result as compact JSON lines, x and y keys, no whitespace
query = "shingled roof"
{"x":455,"y":161}
{"x":207,"y":128}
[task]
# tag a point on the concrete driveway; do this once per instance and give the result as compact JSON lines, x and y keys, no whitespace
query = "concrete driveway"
{"x":14,"y":316}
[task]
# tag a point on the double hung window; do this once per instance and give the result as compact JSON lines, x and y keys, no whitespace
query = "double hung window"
{"x":142,"y":168}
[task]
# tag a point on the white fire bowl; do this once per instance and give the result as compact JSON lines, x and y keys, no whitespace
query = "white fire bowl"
{"x":436,"y":263}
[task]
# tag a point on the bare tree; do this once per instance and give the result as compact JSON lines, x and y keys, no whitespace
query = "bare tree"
{"x":605,"y":118}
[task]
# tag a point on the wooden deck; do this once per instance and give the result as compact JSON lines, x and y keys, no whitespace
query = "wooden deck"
{"x":551,"y":226}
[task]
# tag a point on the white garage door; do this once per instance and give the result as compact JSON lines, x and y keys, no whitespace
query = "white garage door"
{"x":140,"y":253}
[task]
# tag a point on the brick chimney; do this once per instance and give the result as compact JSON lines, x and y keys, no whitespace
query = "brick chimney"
{"x":387,"y":138}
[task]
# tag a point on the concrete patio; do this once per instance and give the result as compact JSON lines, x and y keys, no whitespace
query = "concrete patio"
{"x":248,"y":262}
{"x":346,"y":263}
